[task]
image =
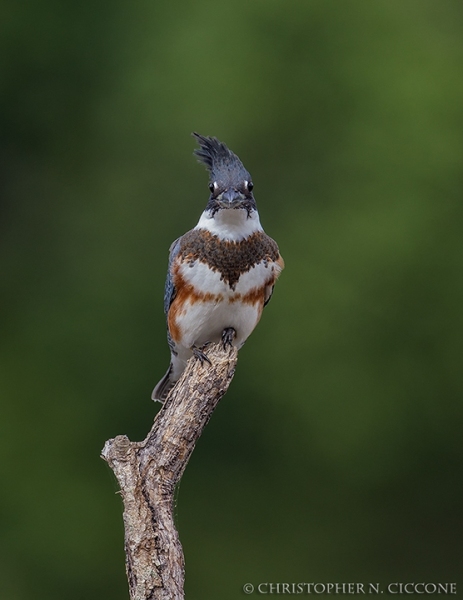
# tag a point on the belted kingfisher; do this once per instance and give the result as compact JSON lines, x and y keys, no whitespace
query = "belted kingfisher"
{"x":221,"y":273}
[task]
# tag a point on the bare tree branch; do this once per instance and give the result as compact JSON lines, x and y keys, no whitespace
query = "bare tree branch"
{"x":148,"y":472}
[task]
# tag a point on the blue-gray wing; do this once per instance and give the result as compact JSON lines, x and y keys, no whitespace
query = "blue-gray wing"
{"x":169,"y":290}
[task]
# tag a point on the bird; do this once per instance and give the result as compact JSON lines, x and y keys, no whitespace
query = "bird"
{"x":222,"y":272}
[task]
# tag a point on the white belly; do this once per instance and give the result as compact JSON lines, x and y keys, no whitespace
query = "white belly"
{"x":204,"y":320}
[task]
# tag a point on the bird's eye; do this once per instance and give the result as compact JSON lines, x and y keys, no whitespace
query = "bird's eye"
{"x":211,"y":187}
{"x":249,"y":185}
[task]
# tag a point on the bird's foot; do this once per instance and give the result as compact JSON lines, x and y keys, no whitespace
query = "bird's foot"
{"x":228,"y":335}
{"x":198,"y":353}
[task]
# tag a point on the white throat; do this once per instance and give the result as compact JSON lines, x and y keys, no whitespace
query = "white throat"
{"x":232,"y":224}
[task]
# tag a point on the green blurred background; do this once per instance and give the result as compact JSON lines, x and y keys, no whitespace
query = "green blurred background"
{"x":336,"y":455}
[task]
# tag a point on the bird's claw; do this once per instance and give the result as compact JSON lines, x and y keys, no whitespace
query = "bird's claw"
{"x":228,"y":335}
{"x":198,"y":353}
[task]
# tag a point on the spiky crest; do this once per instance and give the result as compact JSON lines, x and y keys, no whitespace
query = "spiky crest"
{"x":223,"y":164}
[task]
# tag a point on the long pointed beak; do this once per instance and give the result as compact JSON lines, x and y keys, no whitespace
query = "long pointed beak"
{"x":230,"y":198}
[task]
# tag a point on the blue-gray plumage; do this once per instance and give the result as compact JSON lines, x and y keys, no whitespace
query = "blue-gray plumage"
{"x":221,"y":273}
{"x":223,"y":164}
{"x":169,"y":289}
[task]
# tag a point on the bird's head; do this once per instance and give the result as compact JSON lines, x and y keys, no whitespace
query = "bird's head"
{"x":229,"y":182}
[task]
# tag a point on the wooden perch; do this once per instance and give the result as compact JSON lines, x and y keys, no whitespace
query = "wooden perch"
{"x":148,"y":471}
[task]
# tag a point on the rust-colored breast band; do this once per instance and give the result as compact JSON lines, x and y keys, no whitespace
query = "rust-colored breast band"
{"x":230,"y":259}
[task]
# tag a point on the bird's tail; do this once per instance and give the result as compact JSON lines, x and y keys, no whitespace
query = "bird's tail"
{"x":162,"y":389}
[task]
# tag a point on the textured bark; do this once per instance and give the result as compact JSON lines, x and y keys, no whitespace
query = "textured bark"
{"x":148,"y":471}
